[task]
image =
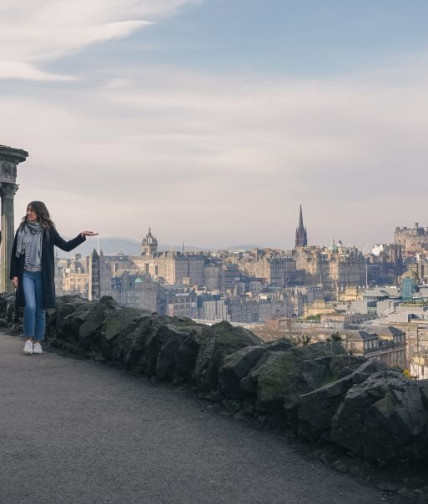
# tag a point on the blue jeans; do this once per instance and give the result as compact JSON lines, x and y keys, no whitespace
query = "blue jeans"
{"x":34,"y":313}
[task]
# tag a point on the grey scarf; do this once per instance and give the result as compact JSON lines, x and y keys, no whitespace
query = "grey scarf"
{"x":31,"y":233}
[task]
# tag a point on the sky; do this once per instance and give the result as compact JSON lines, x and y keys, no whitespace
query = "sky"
{"x":211,"y":121}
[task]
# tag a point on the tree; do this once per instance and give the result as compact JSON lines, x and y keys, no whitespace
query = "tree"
{"x":336,"y":336}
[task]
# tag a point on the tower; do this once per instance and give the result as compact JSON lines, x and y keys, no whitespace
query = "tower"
{"x":301,"y":235}
{"x":149,"y":245}
{"x":94,"y":293}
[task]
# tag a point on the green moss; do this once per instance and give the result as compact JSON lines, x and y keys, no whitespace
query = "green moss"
{"x":386,"y":404}
{"x":330,"y":379}
{"x":277,"y":376}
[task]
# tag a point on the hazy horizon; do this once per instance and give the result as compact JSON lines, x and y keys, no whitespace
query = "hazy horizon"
{"x":112,"y":245}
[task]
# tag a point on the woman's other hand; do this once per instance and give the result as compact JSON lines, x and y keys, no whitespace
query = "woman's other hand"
{"x":88,"y":233}
{"x":15,"y":282}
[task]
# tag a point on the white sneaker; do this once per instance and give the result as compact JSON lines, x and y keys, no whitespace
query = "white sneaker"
{"x":28,"y":347}
{"x":37,"y":348}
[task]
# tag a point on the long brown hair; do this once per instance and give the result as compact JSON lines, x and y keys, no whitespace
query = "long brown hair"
{"x":43,"y":217}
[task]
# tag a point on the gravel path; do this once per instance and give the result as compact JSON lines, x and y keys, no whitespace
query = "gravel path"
{"x":73,"y":431}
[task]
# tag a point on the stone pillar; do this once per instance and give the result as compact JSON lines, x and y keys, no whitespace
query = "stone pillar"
{"x":9,"y":159}
{"x":7,"y":193}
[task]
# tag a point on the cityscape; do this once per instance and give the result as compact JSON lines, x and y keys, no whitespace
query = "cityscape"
{"x":375,"y":302}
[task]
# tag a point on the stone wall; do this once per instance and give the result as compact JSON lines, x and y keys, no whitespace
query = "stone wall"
{"x":316,"y":392}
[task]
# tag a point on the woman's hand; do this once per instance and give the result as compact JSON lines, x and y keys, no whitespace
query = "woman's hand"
{"x":15,"y":282}
{"x":88,"y":233}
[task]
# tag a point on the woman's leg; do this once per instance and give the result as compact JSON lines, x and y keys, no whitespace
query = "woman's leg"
{"x":40,"y":315}
{"x":29,"y":311}
{"x":28,"y":285}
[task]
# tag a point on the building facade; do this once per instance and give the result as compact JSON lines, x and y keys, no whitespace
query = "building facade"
{"x":412,"y":240}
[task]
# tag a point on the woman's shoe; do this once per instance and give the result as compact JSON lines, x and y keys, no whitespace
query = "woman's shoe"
{"x":28,"y":347}
{"x":37,"y":348}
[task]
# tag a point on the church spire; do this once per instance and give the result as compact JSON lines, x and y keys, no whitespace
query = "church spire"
{"x":301,"y":235}
{"x":301,"y":218}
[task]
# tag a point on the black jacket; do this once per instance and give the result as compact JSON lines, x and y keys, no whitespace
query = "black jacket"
{"x":49,"y":240}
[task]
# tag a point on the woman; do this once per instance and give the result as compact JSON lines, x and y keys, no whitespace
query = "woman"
{"x":32,"y":270}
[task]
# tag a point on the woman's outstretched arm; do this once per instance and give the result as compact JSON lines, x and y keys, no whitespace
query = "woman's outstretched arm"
{"x":71,"y":244}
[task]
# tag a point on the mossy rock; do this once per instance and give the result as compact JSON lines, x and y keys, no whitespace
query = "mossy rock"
{"x":220,"y":340}
{"x":317,"y":408}
{"x":229,"y":337}
{"x":236,"y":367}
{"x":384,"y":418}
{"x":64,"y":321}
{"x":289,"y":374}
{"x":180,"y":345}
{"x":114,"y":323}
{"x":158,"y":345}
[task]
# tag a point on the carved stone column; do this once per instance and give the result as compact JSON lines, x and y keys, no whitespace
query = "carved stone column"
{"x":7,"y":193}
{"x":9,"y":159}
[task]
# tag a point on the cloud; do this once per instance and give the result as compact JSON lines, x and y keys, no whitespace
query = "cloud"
{"x":24,"y":71}
{"x":119,"y":83}
{"x":42,"y":31}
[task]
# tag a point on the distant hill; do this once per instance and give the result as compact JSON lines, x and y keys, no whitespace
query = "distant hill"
{"x":109,"y":246}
